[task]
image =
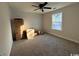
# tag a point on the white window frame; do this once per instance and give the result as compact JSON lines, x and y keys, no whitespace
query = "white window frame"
{"x":61,"y":21}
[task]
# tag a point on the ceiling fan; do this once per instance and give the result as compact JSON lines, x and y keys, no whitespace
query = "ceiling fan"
{"x":41,"y":7}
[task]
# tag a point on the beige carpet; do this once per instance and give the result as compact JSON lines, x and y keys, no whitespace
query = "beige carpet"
{"x":44,"y":45}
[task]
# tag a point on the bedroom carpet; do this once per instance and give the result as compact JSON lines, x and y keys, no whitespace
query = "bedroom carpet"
{"x":44,"y":45}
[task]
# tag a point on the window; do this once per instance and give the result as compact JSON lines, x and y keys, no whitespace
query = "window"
{"x":57,"y":21}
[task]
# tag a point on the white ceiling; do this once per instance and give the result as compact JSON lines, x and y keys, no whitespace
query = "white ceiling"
{"x":27,"y":6}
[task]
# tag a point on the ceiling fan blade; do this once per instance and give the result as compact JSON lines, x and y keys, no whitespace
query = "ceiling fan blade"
{"x":45,"y":3}
{"x":47,"y":8}
{"x":34,"y":5}
{"x":35,"y":9}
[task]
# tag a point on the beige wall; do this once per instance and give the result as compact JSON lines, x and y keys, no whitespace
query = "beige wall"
{"x":70,"y":28}
{"x":5,"y":30}
{"x":31,"y":20}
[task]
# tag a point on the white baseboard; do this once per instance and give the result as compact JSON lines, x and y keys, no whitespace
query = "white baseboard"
{"x":65,"y":38}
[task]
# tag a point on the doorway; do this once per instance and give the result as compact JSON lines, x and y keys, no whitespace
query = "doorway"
{"x":15,"y":26}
